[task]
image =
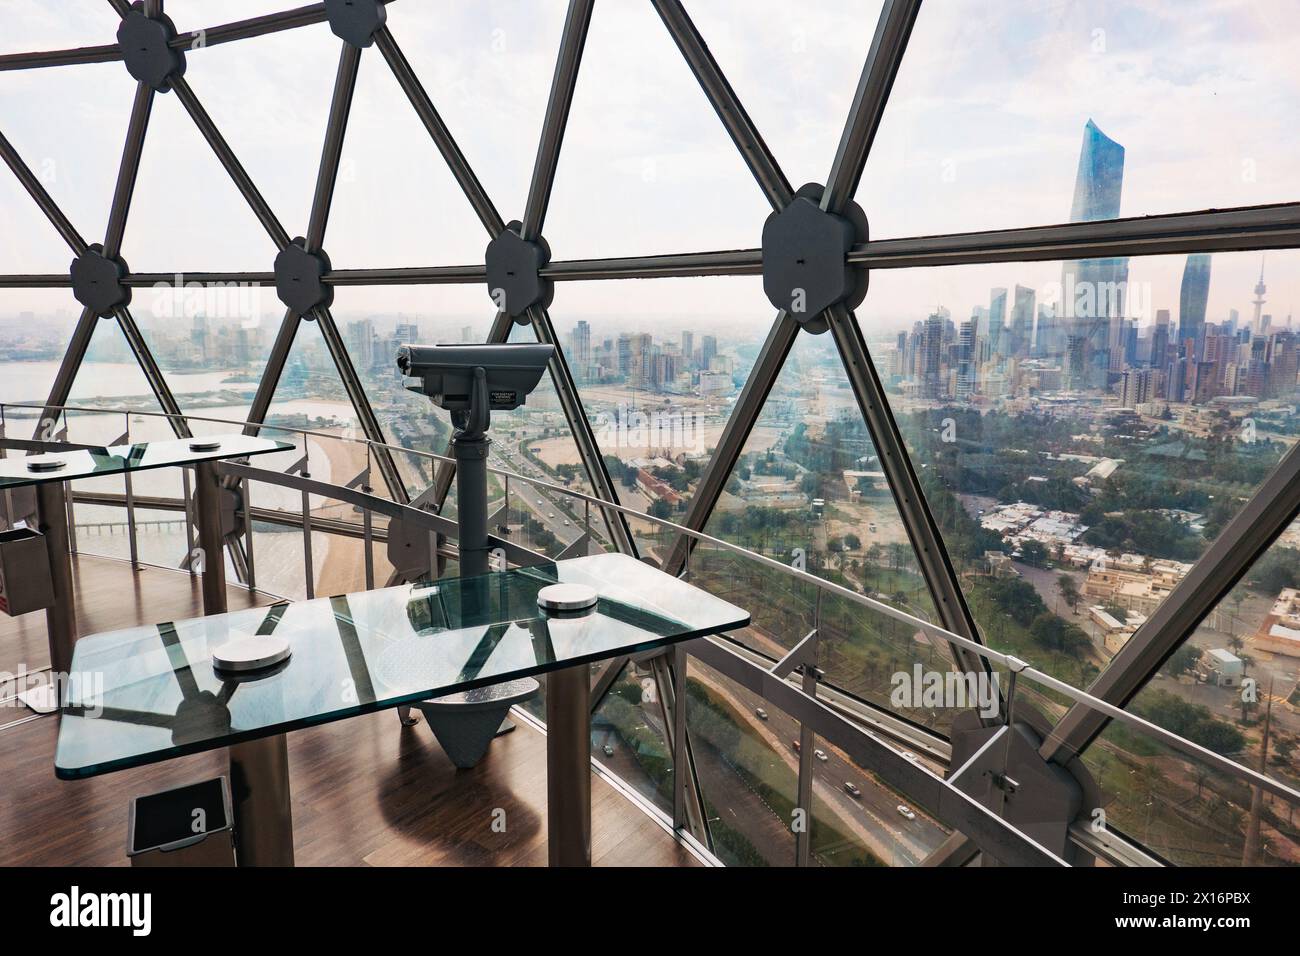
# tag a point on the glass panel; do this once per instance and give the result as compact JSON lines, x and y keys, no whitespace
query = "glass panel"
{"x":1232,"y":687}
{"x":647,"y":167}
{"x":270,"y":97}
{"x":393,"y":185}
{"x":57,"y":117}
{"x":658,"y":401}
{"x":487,"y":68}
{"x":858,"y":821}
{"x":795,"y":71}
{"x":1078,"y":459}
{"x":1040,"y":81}
{"x":35,"y":326}
{"x":375,"y":322}
{"x":32,"y":27}
{"x":627,"y":736}
{"x":748,"y":776}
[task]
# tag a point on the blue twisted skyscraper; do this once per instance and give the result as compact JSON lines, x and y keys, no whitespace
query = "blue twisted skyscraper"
{"x":1094,"y":289}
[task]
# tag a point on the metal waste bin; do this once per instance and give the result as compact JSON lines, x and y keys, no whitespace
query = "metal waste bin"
{"x":187,"y":826}
{"x":25,"y":580}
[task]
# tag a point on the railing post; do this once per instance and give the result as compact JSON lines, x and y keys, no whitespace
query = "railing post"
{"x":246,"y":487}
{"x":130,"y":507}
{"x":681,"y":763}
{"x":189,"y":519}
{"x":308,"y":571}
{"x":367,"y":529}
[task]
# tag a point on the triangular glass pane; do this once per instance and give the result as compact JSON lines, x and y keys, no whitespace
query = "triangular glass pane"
{"x":493,"y":104}
{"x":186,"y":214}
{"x":68,"y":124}
{"x":1082,"y":461}
{"x":374,"y":321}
{"x":1231,"y":687}
{"x":34,"y":334}
{"x":111,"y":379}
{"x":658,"y":400}
{"x":270,"y":97}
{"x":809,"y":491}
{"x":31,"y":27}
{"x":29,"y":242}
{"x":396,"y":202}
{"x":795,"y":71}
{"x":968,"y":119}
{"x":647,"y":167}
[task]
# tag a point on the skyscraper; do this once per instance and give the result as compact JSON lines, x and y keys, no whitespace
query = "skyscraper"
{"x":1094,"y":289}
{"x":997,"y":320}
{"x":1192,"y":299}
{"x":1258,"y":327}
{"x":1022,"y":321}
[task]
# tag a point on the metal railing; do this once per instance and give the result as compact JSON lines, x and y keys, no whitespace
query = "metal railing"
{"x":797,"y":670}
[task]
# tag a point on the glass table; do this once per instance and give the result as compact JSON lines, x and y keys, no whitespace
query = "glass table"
{"x":148,"y":694}
{"x":48,"y":473}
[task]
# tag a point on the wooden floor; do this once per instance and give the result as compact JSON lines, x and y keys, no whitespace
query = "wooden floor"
{"x":366,"y":791}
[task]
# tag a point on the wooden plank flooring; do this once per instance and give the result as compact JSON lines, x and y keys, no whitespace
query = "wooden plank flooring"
{"x":365,"y":791}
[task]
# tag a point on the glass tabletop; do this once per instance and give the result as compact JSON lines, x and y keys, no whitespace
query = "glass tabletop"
{"x":146,"y":694}
{"x":140,"y":456}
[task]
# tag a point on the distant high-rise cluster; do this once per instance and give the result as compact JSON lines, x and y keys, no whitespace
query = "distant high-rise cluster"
{"x":1095,"y":334}
{"x":638,"y":361}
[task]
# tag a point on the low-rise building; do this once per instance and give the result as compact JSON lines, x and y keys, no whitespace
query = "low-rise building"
{"x":1220,"y":667}
{"x":1280,"y":630}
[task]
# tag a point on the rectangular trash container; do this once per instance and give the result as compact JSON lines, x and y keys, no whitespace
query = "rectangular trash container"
{"x":25,"y":582}
{"x":186,"y":826}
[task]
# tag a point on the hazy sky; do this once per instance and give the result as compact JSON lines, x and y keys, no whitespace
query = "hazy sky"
{"x":982,"y":131}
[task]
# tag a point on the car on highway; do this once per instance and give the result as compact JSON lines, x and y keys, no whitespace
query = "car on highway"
{"x":795,"y":745}
{"x":609,"y":750}
{"x":851,"y":789}
{"x":820,"y":755}
{"x":761,"y":713}
{"x":906,"y":812}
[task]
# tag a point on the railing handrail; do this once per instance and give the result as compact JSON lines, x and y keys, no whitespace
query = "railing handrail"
{"x":1010,"y":662}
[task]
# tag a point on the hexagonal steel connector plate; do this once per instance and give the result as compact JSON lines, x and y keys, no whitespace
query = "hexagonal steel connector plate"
{"x":805,"y":269}
{"x":513,"y":265}
{"x":356,"y":21}
{"x":146,"y":48}
{"x":97,"y":281}
{"x":300,"y":278}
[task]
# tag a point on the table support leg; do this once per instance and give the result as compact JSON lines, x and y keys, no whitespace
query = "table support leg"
{"x":259,"y":784}
{"x":61,"y":616}
{"x":568,"y":766}
{"x":207,"y":505}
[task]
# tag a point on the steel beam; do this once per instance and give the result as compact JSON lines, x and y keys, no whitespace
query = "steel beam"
{"x":361,"y":404}
{"x":43,"y":199}
{"x":580,"y":428}
{"x":129,"y":169}
{"x":251,"y":27}
{"x":1241,"y":543}
{"x":1214,"y":230}
{"x":82,"y":333}
{"x":887,"y":46}
{"x":753,"y":396}
{"x":726,"y":104}
{"x":345,"y":83}
{"x":408,"y":275}
{"x":442,"y":138}
{"x":152,"y":373}
{"x":270,"y":377}
{"x":243,"y":182}
{"x":922,"y":531}
{"x":105,"y":53}
{"x":572,"y":41}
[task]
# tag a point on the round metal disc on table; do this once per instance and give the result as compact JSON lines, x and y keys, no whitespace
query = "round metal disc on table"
{"x":566,"y":597}
{"x":251,"y":653}
{"x":204,"y":445}
{"x":46,"y":464}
